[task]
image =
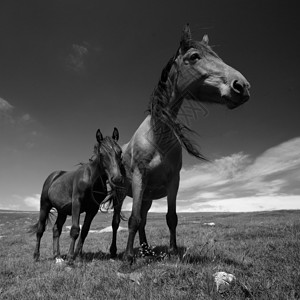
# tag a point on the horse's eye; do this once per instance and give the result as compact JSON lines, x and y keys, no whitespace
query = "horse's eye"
{"x":194,"y":57}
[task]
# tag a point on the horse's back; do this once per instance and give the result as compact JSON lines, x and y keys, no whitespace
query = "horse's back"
{"x":67,"y":185}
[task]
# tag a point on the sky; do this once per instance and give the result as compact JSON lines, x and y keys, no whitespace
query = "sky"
{"x":68,"y":68}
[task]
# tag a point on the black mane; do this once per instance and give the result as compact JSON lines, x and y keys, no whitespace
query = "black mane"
{"x":160,"y":112}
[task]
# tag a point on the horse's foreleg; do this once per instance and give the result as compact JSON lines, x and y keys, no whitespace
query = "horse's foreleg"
{"x":171,"y":216}
{"x":115,"y":225}
{"x":135,"y":218}
{"x":57,"y":228}
{"x":75,"y":229}
{"x":146,"y":205}
{"x":85,"y":230}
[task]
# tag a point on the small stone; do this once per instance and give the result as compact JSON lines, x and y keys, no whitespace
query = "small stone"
{"x":223,"y":281}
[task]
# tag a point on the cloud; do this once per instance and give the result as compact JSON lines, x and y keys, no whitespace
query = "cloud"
{"x":33,"y":202}
{"x":26,"y":118}
{"x":7,"y":206}
{"x":6,"y":110}
{"x":247,"y":204}
{"x":282,"y":158}
{"x":5,"y":106}
{"x":241,"y":183}
{"x":8,"y":113}
{"x":220,"y":172}
{"x":76,"y":59}
{"x":18,"y":129}
{"x":244,"y":204}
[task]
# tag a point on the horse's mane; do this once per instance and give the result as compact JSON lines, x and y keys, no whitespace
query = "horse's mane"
{"x":160,"y":112}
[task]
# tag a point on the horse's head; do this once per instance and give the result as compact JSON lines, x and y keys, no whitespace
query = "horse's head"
{"x":110,"y":153}
{"x":202,"y":75}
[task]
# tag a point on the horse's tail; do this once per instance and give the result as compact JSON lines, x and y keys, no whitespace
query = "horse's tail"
{"x":45,"y":204}
{"x":33,"y":229}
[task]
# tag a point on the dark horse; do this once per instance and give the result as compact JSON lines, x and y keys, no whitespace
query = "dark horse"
{"x":153,"y":157}
{"x":82,"y":190}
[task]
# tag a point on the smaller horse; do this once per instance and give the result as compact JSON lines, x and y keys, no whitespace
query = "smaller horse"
{"x":82,"y":190}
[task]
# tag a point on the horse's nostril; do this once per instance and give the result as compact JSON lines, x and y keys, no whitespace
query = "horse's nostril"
{"x":237,"y":86}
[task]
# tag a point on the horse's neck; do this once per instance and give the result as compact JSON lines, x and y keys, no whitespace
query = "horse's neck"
{"x":153,"y":136}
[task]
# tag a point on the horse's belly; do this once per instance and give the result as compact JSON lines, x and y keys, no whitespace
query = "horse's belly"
{"x":65,"y":209}
{"x":154,"y":192}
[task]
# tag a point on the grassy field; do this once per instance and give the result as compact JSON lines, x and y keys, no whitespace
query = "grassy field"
{"x":261,"y":249}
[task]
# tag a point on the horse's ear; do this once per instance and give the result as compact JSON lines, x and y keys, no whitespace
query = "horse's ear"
{"x":186,"y":38}
{"x":99,"y":136}
{"x":115,"y":134}
{"x":205,"y":39}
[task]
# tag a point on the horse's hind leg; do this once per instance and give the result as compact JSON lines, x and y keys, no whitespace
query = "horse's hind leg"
{"x":146,"y":205}
{"x":41,"y":225}
{"x":85,"y":230}
{"x":57,"y":228}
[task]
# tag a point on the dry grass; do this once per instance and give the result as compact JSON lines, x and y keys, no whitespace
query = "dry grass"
{"x":260,"y":249}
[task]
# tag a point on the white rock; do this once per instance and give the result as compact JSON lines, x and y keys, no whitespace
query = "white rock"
{"x":223,"y":280}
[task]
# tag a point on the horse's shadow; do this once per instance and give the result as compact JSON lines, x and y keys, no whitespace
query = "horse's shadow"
{"x":90,"y":256}
{"x":161,"y":252}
